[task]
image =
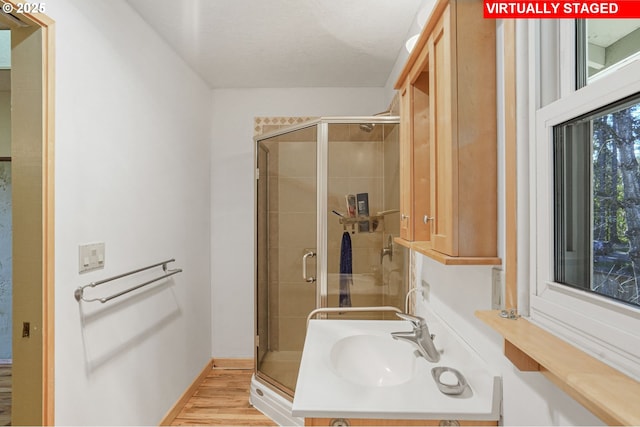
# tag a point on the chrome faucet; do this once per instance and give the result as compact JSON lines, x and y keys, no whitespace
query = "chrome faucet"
{"x":420,"y":337}
{"x":384,"y":252}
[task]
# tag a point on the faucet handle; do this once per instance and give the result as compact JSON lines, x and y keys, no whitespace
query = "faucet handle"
{"x":417,"y":321}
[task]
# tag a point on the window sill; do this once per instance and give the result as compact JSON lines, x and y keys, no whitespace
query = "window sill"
{"x":425,"y":249}
{"x":606,"y":392}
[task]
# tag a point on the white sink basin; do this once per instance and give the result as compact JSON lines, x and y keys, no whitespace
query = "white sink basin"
{"x":373,"y":360}
{"x":354,"y":368}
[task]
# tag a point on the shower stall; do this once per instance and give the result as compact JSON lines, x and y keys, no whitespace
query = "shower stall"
{"x":327,"y":212}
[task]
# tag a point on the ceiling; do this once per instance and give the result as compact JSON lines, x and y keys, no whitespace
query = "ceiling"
{"x":284,"y":43}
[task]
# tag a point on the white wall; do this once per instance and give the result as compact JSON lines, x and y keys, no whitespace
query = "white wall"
{"x":232,"y":203}
{"x":455,"y":293}
{"x":426,"y":6}
{"x":132,"y":170}
{"x":403,"y":55}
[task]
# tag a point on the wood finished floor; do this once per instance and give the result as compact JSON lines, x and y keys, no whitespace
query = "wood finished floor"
{"x":5,"y":395}
{"x":223,"y":399}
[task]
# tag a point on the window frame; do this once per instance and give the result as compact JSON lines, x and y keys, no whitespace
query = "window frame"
{"x":603,"y":327}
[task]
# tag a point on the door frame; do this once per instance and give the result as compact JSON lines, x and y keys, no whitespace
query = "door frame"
{"x":41,"y":240}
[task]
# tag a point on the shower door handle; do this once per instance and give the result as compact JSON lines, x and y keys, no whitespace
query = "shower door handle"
{"x":304,"y":266}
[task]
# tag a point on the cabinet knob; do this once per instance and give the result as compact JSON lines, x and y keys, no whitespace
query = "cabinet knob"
{"x":427,"y":218}
{"x":403,"y":217}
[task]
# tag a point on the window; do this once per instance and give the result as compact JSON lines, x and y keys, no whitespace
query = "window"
{"x":584,"y":165}
{"x":597,"y":201}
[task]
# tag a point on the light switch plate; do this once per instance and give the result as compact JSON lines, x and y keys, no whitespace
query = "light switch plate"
{"x":91,"y":257}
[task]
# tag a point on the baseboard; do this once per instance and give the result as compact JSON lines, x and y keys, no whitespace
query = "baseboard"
{"x":188,"y":394}
{"x":233,"y":363}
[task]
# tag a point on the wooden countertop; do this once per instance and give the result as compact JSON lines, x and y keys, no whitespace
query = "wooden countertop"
{"x":606,"y":392}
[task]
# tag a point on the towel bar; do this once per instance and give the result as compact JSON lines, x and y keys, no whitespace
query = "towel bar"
{"x":79,"y":292}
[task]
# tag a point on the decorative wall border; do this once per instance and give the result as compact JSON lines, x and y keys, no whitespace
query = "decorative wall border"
{"x":266,"y":124}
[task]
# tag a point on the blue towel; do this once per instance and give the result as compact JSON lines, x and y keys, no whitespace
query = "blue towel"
{"x":345,"y":270}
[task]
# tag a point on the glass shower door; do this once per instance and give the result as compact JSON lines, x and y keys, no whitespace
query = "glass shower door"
{"x":286,"y":247}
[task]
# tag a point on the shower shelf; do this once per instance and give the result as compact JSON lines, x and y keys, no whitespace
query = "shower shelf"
{"x":373,"y":220}
{"x":355,"y":220}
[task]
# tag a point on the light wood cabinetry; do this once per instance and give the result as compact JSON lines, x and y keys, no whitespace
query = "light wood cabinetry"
{"x":414,"y":157}
{"x":608,"y":393}
{"x":406,"y":183}
{"x":448,"y":134}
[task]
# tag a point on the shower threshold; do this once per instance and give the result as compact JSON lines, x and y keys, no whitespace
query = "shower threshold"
{"x":271,"y":403}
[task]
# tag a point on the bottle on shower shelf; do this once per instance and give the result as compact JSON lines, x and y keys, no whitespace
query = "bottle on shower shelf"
{"x":351,"y":205}
{"x":362,"y":200}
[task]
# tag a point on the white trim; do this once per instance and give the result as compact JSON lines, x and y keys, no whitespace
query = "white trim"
{"x":548,"y":60}
{"x":567,"y":52}
{"x":582,"y":323}
{"x":534,"y":102}
{"x":605,"y":328}
{"x":613,"y":68}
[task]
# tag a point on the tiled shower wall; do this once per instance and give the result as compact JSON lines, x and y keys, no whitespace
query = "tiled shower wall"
{"x":293,"y":184}
{"x":355,"y":166}
{"x":366,"y":162}
{"x":394,"y":273}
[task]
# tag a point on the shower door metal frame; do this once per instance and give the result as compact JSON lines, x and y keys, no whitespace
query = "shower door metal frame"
{"x":322,"y":155}
{"x":322,"y":159}
{"x":259,"y":145}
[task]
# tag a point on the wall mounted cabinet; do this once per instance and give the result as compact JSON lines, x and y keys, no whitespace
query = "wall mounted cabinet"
{"x":448,"y":137}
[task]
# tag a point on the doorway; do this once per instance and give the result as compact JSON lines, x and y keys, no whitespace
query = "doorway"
{"x":5,"y":229}
{"x":32,"y":135}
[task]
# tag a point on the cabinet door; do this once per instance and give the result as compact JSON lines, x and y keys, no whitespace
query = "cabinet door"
{"x":421,"y":154}
{"x":406,"y":138}
{"x":444,"y":155}
{"x":414,"y":154}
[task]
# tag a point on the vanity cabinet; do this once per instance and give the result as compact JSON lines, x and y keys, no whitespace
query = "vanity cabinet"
{"x":448,"y":158}
{"x":380,"y":422}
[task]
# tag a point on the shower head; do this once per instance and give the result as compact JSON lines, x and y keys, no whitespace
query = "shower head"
{"x":367,"y":127}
